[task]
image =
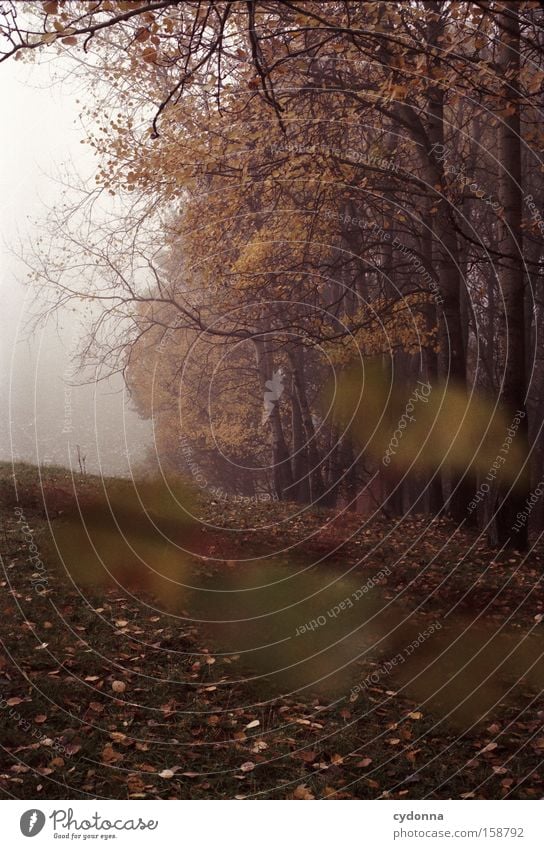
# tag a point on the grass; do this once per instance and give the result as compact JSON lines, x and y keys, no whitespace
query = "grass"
{"x":106,"y":694}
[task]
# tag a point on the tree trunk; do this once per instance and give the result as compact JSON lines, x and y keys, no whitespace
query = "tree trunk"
{"x":511,"y":496}
{"x":301,"y":489}
{"x":314,"y":476}
{"x":281,"y":462}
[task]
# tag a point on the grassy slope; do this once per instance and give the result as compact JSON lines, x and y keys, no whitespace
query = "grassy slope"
{"x":181,"y":709}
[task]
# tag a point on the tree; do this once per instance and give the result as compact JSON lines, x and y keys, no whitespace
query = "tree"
{"x":511,"y":498}
{"x":271,"y":140}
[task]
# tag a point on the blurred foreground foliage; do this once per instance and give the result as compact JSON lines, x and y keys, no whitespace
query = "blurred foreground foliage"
{"x":423,"y":426}
{"x":130,"y":533}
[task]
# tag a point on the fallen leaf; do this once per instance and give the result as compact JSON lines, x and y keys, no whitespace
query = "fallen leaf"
{"x":168,"y":773}
{"x":302,"y":792}
{"x":118,"y":736}
{"x":308,"y":756}
{"x":109,"y":755}
{"x":135,"y":784}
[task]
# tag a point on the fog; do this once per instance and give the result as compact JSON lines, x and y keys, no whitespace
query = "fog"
{"x":44,"y":415}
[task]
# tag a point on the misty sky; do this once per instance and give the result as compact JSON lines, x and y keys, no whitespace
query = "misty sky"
{"x":43,"y":417}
